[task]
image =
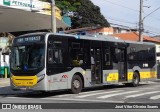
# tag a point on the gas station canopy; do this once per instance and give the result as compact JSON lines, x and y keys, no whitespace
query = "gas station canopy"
{"x":16,"y":15}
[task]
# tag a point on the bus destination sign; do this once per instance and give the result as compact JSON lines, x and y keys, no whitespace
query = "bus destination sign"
{"x":28,"y":39}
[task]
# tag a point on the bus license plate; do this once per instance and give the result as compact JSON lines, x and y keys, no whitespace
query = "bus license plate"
{"x":25,"y":83}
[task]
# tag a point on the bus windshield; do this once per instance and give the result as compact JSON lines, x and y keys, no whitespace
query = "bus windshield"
{"x":27,"y":57}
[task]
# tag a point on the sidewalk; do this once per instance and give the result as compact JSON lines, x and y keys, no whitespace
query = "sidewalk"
{"x":4,"y":82}
{"x":5,"y":88}
{"x":157,"y":80}
{"x":4,"y":79}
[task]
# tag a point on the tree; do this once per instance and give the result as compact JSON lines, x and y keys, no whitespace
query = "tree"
{"x":82,"y":12}
{"x":90,"y":15}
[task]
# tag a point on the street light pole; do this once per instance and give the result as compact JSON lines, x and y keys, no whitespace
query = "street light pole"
{"x":53,"y":17}
{"x":141,"y":22}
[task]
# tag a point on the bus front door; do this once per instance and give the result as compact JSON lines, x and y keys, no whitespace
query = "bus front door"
{"x":122,"y":65}
{"x":96,"y":68}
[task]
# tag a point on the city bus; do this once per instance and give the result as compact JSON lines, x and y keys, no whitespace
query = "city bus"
{"x":47,"y":62}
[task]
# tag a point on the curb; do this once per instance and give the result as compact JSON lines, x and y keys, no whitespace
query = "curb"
{"x":157,"y":80}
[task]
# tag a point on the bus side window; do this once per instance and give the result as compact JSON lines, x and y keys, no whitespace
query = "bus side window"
{"x":55,"y":56}
{"x":50,"y":56}
{"x":77,"y":54}
{"x":151,"y":54}
{"x":107,"y":56}
{"x":132,"y":53}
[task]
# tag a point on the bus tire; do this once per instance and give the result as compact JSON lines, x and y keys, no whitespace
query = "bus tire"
{"x":135,"y":80}
{"x":76,"y":84}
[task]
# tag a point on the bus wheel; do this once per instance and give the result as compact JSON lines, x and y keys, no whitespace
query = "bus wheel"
{"x":76,"y":84}
{"x":136,"y":79}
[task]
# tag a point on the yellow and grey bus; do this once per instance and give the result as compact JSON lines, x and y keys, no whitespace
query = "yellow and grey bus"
{"x":48,"y":62}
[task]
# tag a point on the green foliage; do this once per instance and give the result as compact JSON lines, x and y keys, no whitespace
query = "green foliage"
{"x":90,"y":15}
{"x":82,"y":12}
{"x":67,"y":5}
{"x":45,"y":0}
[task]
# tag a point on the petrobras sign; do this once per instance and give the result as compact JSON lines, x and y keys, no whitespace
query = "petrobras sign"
{"x":31,"y":5}
{"x":23,"y":4}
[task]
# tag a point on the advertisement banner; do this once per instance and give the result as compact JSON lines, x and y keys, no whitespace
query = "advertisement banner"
{"x":34,"y":6}
{"x":23,"y":4}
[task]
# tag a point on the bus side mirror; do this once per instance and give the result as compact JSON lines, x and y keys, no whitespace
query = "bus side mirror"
{"x":6,"y":53}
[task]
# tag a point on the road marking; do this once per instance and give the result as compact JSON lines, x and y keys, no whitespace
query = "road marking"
{"x":148,"y":82}
{"x":136,"y":95}
{"x":66,"y":99}
{"x":116,"y":94}
{"x":63,"y":95}
{"x":82,"y":100}
{"x":155,"y":97}
{"x":79,"y":93}
{"x":148,"y":88}
{"x":92,"y":91}
{"x":82,"y":96}
{"x":19,"y":97}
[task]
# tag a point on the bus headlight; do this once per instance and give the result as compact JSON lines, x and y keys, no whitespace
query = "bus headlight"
{"x":41,"y":77}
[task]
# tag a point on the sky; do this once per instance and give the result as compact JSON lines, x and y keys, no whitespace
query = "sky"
{"x":126,"y":13}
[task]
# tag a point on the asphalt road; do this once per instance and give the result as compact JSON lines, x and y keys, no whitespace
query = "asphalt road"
{"x":90,"y":98}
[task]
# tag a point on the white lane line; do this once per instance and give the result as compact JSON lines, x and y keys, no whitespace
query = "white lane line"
{"x":149,"y":88}
{"x":116,"y":94}
{"x":82,"y":96}
{"x":136,"y":95}
{"x":155,"y":97}
{"x":79,"y":93}
{"x":10,"y":97}
{"x":66,"y":99}
{"x":81,"y":100}
{"x":63,"y":95}
{"x":92,"y":91}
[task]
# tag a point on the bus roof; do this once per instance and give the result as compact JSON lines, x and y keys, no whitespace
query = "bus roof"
{"x":89,"y":37}
{"x":37,"y":33}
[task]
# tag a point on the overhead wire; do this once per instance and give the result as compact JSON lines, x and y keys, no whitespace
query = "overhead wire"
{"x":147,"y":31}
{"x":119,"y":20}
{"x":129,"y":9}
{"x":121,"y":5}
{"x":151,"y":12}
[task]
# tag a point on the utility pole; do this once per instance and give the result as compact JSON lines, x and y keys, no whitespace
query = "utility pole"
{"x":141,"y":22}
{"x":53,"y":16}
